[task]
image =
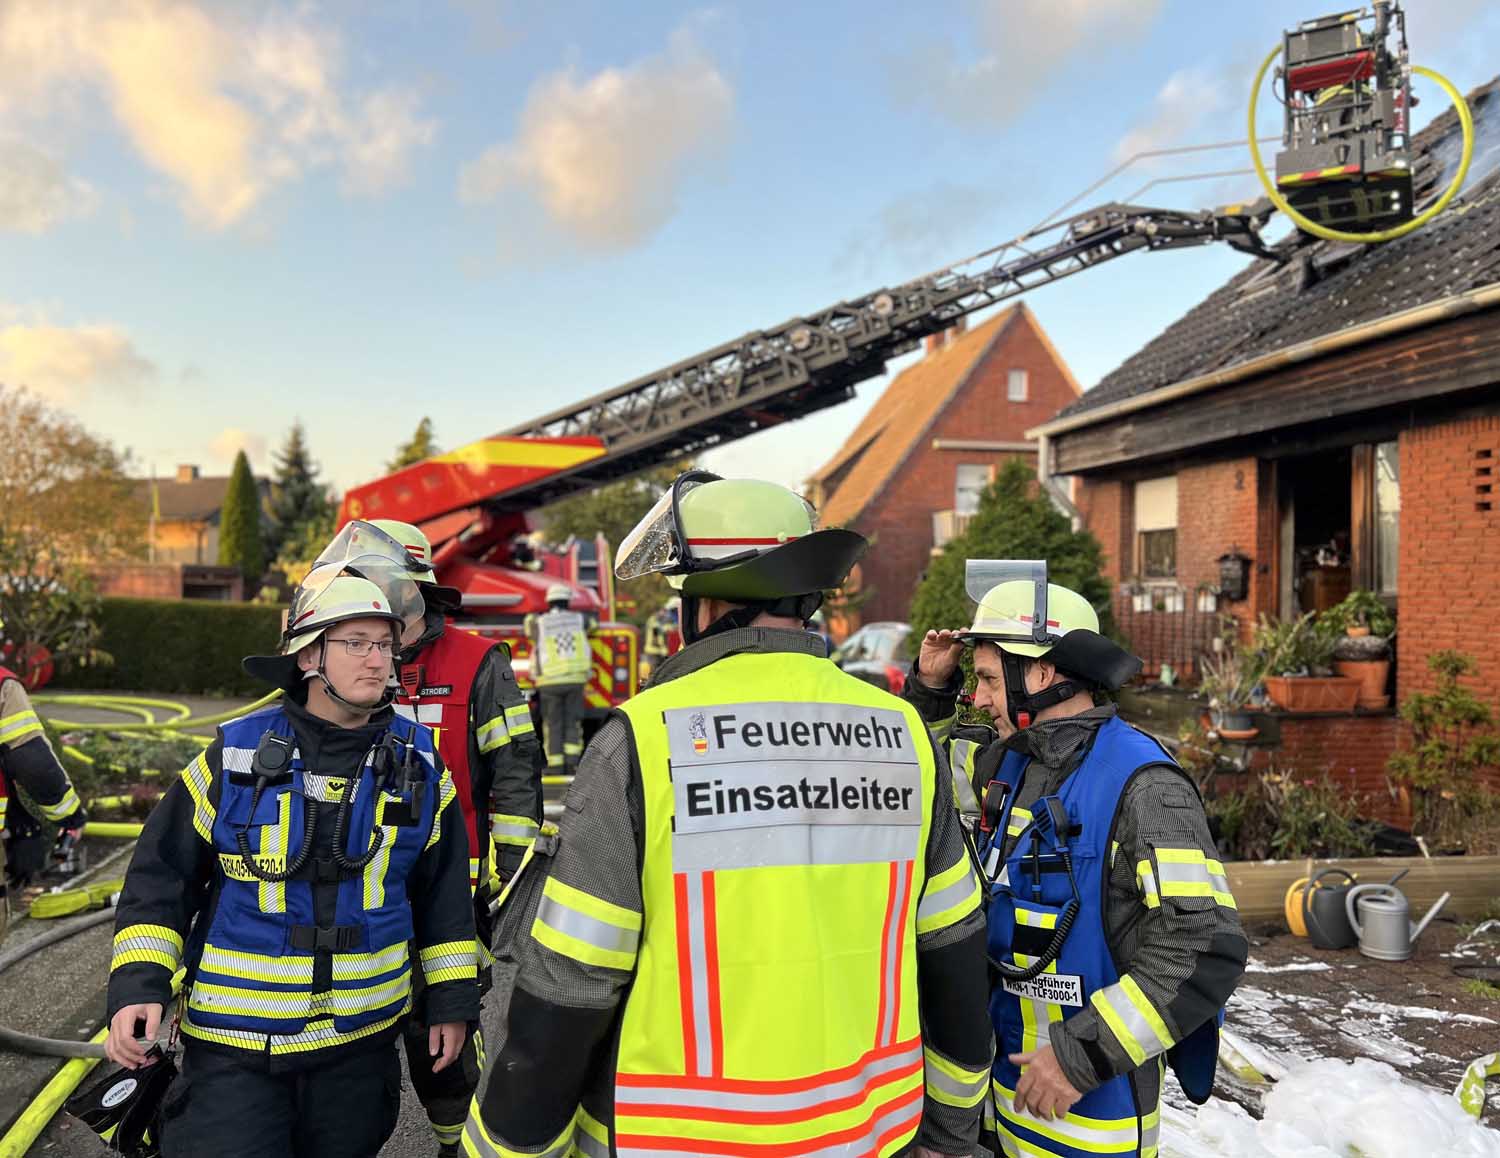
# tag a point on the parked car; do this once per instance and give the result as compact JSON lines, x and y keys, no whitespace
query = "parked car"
{"x":876,"y":653}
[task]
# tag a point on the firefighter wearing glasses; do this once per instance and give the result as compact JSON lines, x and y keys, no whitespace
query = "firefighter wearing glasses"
{"x":28,"y":762}
{"x":759,"y":929}
{"x":1110,"y":919}
{"x":461,"y":686}
{"x":290,"y":870}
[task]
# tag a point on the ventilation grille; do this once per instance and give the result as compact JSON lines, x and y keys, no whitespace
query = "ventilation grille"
{"x":1485,"y":463}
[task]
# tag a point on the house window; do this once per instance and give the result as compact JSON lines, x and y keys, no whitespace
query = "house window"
{"x":1015,"y":386}
{"x":1156,"y":527}
{"x":1387,"y":516}
{"x":970,"y":479}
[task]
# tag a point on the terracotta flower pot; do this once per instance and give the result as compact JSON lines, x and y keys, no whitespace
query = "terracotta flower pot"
{"x":1313,"y":693}
{"x":1356,"y":632}
{"x":1372,"y":675}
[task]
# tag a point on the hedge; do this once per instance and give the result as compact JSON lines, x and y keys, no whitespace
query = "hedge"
{"x":185,"y":646}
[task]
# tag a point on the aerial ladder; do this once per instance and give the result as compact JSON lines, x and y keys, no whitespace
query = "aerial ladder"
{"x":472,"y":502}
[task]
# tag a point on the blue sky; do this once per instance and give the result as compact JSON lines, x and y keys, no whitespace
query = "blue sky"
{"x":219,"y":216}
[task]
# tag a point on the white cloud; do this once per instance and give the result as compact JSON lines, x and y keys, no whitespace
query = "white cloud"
{"x":225,"y":105}
{"x":65,"y":362}
{"x":1189,"y":97}
{"x":1020,"y":45}
{"x":232,"y":439}
{"x":605,"y":155}
{"x":35,"y":191}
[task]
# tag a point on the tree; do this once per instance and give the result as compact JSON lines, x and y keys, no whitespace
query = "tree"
{"x":62,"y":488}
{"x":49,"y":610}
{"x":240,"y":542}
{"x":1014,"y":521}
{"x":297,"y":497}
{"x":613,"y":511}
{"x":416,"y":448}
{"x":302,"y":546}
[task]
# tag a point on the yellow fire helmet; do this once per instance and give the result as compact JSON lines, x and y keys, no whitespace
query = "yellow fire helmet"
{"x":326,"y":597}
{"x":1024,"y":615}
{"x":744,"y":541}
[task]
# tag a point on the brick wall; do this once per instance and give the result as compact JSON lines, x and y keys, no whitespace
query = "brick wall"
{"x":1448,"y":578}
{"x":1352,"y":750}
{"x":1106,"y":508}
{"x":140,"y":580}
{"x":899,"y":520}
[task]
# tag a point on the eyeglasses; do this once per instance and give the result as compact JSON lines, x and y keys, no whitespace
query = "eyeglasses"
{"x":359,"y":648}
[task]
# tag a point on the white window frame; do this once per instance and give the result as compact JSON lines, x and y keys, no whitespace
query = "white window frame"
{"x":1017,"y":385}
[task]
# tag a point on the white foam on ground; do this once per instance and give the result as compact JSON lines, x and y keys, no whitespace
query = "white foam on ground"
{"x":1413,"y":1012}
{"x":1332,"y":1109}
{"x":1254,"y":966}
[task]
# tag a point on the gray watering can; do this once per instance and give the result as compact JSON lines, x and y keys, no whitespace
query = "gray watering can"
{"x":1323,"y":911}
{"x":1381,"y":919}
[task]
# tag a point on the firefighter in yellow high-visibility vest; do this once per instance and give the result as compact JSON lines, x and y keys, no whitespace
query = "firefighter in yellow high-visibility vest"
{"x":759,"y":930}
{"x":561,"y":662}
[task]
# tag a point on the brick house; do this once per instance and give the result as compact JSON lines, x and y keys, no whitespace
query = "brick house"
{"x":182,"y":548}
{"x":910,"y":474}
{"x":1334,"y":419}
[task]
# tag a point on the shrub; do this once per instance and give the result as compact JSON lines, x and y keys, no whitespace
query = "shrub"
{"x":184,"y":646}
{"x":1452,"y":740}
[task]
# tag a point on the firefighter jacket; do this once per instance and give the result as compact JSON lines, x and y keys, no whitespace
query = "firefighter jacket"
{"x":282,"y":972}
{"x":461,"y":686}
{"x":26,"y":758}
{"x":560,"y":648}
{"x":760,"y":931}
{"x":1155,"y":948}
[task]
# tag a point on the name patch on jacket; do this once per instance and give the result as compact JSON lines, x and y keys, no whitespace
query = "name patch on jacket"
{"x":436,"y":690}
{"x":1053,"y":988}
{"x":792,"y":783}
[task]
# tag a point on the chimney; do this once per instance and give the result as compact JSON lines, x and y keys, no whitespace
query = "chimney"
{"x":936,"y":342}
{"x":187,"y":472}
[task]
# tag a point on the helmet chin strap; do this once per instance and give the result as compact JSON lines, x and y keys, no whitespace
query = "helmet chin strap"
{"x":1022,"y":706}
{"x":387,"y":697}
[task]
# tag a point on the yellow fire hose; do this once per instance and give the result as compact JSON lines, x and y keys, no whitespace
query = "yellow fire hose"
{"x":1307,"y":225}
{"x":142,"y":706}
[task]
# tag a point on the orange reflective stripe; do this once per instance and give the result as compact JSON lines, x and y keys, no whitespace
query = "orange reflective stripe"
{"x":890,"y":1122}
{"x":893,"y":946}
{"x":698,"y":973}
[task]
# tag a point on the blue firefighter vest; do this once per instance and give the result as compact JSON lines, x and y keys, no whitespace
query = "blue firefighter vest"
{"x":1027,"y":900}
{"x":255,"y":975}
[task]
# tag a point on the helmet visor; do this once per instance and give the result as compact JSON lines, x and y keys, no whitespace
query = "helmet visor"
{"x":657,"y":543}
{"x":395,"y":582}
{"x":1021,"y":615}
{"x":361,"y":540}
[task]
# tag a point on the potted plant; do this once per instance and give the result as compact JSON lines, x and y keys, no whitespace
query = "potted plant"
{"x":1229,"y":678}
{"x":1363,"y":652}
{"x":1298,"y":658}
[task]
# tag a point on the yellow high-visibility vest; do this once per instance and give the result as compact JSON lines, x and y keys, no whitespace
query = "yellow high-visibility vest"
{"x":562,"y":652}
{"x":787,"y":813}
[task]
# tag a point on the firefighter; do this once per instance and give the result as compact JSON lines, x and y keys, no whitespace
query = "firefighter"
{"x":288,"y":870}
{"x":562,"y":660}
{"x":462,"y":687}
{"x":1081,"y":813}
{"x":759,"y":929}
{"x":659,"y":641}
{"x":27,"y":761}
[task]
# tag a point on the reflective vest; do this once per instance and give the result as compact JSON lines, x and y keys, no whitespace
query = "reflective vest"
{"x":1030,"y":895}
{"x":255,"y":976}
{"x":774,"y":1005}
{"x":435,"y":691}
{"x":562,"y":654}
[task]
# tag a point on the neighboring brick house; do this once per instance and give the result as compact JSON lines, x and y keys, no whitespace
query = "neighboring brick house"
{"x":182,"y":547}
{"x":910,"y":475}
{"x":1335,"y":419}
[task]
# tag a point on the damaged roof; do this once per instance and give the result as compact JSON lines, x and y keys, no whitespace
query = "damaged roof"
{"x":1325,"y":286}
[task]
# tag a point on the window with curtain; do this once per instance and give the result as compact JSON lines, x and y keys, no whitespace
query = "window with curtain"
{"x":969,"y":480}
{"x":1015,"y":387}
{"x":1156,"y":527}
